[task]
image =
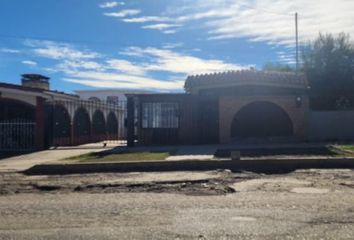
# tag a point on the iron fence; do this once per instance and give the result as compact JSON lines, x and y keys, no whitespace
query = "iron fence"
{"x":17,"y":136}
{"x":79,"y":122}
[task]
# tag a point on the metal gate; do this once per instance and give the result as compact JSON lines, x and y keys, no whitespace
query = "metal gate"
{"x":17,"y":136}
{"x":77,"y":122}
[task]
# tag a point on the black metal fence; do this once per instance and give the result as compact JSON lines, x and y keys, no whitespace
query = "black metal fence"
{"x":17,"y":136}
{"x":79,"y":122}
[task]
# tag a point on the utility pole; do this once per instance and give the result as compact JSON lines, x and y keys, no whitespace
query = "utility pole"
{"x":297,"y":43}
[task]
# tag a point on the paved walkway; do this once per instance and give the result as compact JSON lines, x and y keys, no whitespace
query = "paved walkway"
{"x":23,"y":162}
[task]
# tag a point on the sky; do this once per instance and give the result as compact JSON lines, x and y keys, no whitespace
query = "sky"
{"x":155,"y":44}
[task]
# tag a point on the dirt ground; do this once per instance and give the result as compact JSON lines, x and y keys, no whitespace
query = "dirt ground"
{"x":305,"y":204}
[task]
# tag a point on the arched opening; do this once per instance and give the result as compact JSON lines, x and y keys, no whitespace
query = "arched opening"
{"x":14,"y":110}
{"x":61,"y":126}
{"x":81,"y":126}
{"x":94,"y":99}
{"x":98,"y":126}
{"x":112,"y":126}
{"x":17,"y":125}
{"x":262,"y":120}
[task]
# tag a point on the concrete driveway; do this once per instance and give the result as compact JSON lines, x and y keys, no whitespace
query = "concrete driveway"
{"x":25,"y":161}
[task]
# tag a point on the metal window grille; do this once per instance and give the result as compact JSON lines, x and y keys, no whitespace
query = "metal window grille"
{"x":160,"y":115}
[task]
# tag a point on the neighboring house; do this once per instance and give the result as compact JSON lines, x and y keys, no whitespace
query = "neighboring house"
{"x":34,"y":117}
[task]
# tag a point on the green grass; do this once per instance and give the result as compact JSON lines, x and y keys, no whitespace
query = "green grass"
{"x":119,"y":157}
{"x":346,"y":148}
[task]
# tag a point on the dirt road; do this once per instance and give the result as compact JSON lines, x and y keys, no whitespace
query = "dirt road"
{"x":311,"y":204}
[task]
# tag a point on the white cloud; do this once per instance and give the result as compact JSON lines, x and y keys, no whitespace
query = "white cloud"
{"x":55,"y":50}
{"x":29,"y":63}
{"x":172,"y":45}
{"x":160,"y":26}
{"x":9,"y":50}
{"x":69,"y":65}
{"x":170,"y":31}
{"x":126,"y":67}
{"x":270,"y":21}
{"x":286,"y":57}
{"x":123,"y":13}
{"x":146,"y":19}
{"x":170,"y":61}
{"x":93,"y":69}
{"x":95,"y":79}
{"x":111,"y":4}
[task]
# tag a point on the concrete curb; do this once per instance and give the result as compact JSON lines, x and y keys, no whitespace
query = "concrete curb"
{"x":258,"y":165}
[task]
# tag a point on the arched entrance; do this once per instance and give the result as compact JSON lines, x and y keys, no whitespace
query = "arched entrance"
{"x":81,"y":126}
{"x":261,"y":120}
{"x":17,"y":125}
{"x":98,"y":126}
{"x":61,"y":126}
{"x":112,"y":126}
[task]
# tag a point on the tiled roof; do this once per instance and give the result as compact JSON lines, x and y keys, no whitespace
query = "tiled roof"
{"x":246,"y":77}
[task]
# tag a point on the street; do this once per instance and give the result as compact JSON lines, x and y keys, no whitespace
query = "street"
{"x":305,"y":204}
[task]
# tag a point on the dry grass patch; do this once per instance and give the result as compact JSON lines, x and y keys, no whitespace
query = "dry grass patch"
{"x":119,"y":157}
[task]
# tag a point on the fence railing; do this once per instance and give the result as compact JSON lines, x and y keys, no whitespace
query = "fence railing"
{"x":17,"y":136}
{"x":78,"y":122}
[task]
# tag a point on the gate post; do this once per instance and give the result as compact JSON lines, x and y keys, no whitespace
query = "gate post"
{"x":130,"y":121}
{"x":40,"y":123}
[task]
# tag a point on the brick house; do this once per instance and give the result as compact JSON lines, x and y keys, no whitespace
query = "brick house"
{"x":225,"y":107}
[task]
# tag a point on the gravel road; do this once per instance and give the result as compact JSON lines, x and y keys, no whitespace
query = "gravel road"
{"x":311,"y":204}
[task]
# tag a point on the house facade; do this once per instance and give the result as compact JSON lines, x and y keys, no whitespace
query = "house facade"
{"x":236,"y":106}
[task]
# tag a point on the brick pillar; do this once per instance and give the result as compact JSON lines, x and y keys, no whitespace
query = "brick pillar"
{"x":40,"y":123}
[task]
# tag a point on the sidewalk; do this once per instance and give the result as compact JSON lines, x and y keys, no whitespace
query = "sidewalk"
{"x":23,"y":162}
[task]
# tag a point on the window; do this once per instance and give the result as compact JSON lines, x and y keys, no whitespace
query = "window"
{"x":160,"y":115}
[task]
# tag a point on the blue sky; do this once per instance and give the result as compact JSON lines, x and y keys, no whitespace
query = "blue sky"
{"x":154,"y":44}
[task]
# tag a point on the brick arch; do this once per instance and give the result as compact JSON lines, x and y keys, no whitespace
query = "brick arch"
{"x":229,"y":106}
{"x":61,"y":125}
{"x":261,"y":119}
{"x":14,"y":109}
